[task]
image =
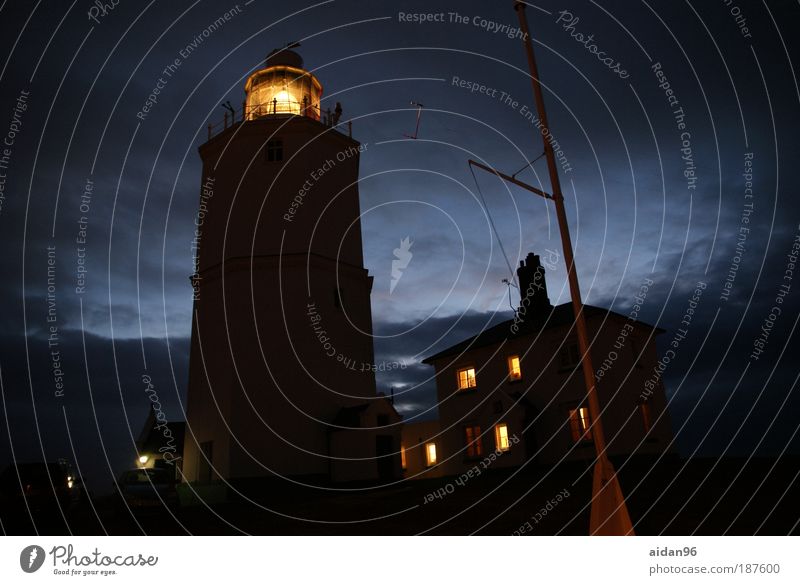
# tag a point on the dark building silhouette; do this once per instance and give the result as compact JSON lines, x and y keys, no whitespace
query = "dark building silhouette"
{"x":533,"y":286}
{"x":160,"y":444}
{"x":517,"y":389}
{"x":280,"y":381}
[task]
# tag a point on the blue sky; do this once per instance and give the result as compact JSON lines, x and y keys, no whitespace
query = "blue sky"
{"x":631,"y":213}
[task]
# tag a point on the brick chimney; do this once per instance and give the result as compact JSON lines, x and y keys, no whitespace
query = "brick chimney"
{"x":532,"y":288}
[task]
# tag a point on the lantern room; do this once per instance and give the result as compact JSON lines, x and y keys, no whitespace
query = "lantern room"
{"x":282,"y":87}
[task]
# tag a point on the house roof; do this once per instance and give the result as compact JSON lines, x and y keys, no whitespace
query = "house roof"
{"x":155,"y":437}
{"x":150,"y":436}
{"x":350,"y":416}
{"x":559,"y":316}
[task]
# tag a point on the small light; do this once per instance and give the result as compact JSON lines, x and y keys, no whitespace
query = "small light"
{"x":69,"y":483}
{"x":143,"y":459}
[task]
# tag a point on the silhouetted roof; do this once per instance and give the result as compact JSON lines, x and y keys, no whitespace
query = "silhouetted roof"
{"x":350,"y":416}
{"x":557,"y":317}
{"x":154,"y":437}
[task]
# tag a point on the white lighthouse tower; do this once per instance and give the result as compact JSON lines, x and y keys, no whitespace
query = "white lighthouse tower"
{"x":281,"y":376}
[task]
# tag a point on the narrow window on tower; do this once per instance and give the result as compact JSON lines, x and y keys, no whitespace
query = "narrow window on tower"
{"x":430,"y":454}
{"x":514,"y":368}
{"x":403,"y":463}
{"x":472,"y":436}
{"x":501,"y":437}
{"x":205,"y":469}
{"x":635,"y":352}
{"x":579,"y":424}
{"x":466,"y":378}
{"x":275,"y":150}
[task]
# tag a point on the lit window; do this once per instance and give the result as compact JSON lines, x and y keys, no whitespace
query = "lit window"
{"x":466,"y":378}
{"x":501,"y":437}
{"x":644,"y":408}
{"x":514,"y":368}
{"x":430,"y":454}
{"x":569,"y":356}
{"x":274,"y":150}
{"x":402,"y":456}
{"x":473,"y":440}
{"x":579,"y":424}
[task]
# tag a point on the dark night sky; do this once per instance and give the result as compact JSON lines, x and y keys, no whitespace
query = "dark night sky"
{"x":632,"y":213}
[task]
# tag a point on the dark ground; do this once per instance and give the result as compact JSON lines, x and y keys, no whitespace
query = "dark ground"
{"x":667,"y":498}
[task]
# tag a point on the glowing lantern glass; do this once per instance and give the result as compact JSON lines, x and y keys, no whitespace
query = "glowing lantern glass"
{"x":283,"y":87}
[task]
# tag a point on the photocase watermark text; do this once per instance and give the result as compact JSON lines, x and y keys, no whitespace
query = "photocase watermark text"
{"x":568,"y":22}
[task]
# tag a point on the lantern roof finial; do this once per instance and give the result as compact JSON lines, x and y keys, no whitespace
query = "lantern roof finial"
{"x":285,"y":56}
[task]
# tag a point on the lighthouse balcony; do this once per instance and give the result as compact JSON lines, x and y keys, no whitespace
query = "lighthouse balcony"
{"x":279,"y":109}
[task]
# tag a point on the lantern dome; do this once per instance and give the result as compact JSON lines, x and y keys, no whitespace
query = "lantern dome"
{"x":285,"y":57}
{"x":282,"y":87}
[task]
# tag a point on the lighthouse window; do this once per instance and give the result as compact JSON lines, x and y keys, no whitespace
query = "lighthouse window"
{"x":206,"y":464}
{"x":275,"y":150}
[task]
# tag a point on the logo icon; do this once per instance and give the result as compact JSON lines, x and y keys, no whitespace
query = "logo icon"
{"x":31,"y":558}
{"x":403,"y":256}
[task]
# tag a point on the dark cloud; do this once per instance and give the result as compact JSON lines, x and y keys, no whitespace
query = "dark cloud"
{"x":631,"y":214}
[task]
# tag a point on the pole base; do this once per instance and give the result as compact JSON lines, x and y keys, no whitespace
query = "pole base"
{"x":609,"y":516}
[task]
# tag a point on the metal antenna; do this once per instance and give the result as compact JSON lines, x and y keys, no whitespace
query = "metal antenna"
{"x":509,"y":284}
{"x":419,"y":115}
{"x":292,"y":45}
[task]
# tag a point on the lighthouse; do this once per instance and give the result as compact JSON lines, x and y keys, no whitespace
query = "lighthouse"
{"x":281,"y":380}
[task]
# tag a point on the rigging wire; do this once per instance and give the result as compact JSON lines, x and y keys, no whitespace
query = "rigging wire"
{"x":494,"y":227}
{"x":514,"y":176}
{"x":509,"y":284}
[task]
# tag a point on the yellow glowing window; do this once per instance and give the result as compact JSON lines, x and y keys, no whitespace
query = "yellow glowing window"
{"x":402,"y":456}
{"x":579,"y":424}
{"x":472,"y":436}
{"x":501,"y":437}
{"x":514,"y":368}
{"x":430,"y":454}
{"x":466,"y":378}
{"x":644,"y":408}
